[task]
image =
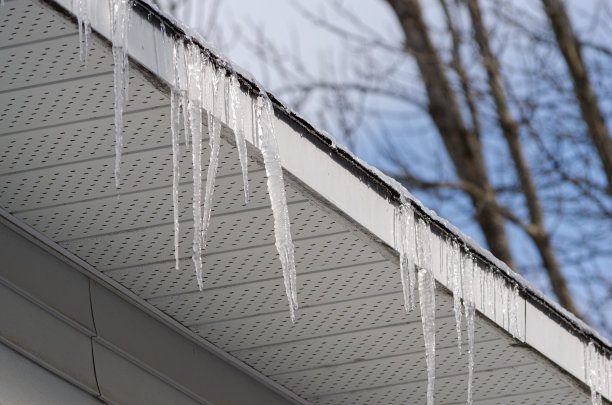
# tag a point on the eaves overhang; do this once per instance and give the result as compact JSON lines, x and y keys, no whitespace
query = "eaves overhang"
{"x":352,"y":342}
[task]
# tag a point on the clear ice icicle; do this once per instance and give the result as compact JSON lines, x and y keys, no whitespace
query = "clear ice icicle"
{"x":427,"y":299}
{"x":84,"y":28}
{"x":174,"y":128}
{"x":194,"y":81}
{"x":181,"y":69}
{"x":237,"y":126}
{"x":404,"y":235}
{"x":120,"y":15}
{"x":513,"y":310}
{"x":119,"y":102}
{"x":489,"y":292}
{"x":505,"y":303}
{"x":254,"y":121}
{"x":470,"y":314}
{"x":498,"y":294}
{"x":423,"y":245}
{"x":276,"y":189}
{"x":214,"y":139}
{"x":227,"y":98}
{"x":455,"y":263}
{"x":176,"y":100}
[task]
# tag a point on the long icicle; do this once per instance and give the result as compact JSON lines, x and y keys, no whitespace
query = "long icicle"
{"x":214,"y":140}
{"x":120,"y":16}
{"x":175,"y":115}
{"x":195,"y":121}
{"x":470,"y":313}
{"x":427,"y":299}
{"x":276,"y":189}
{"x":505,"y":303}
{"x":456,"y":271}
{"x":428,"y":317}
{"x":514,"y":309}
{"x":404,"y":232}
{"x":238,"y":126}
{"x":174,"y":128}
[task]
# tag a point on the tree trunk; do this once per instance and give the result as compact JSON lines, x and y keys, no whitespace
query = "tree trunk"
{"x":462,"y":145}
{"x":536,"y":229}
{"x":587,"y":99}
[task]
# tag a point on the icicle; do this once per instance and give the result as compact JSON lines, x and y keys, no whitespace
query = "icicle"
{"x":226,"y":97}
{"x":174,"y":128}
{"x":181,"y":64}
{"x":500,"y":308}
{"x":194,"y":62}
{"x":513,"y":312}
{"x":445,"y":261}
{"x":119,"y":102}
{"x":601,"y":373}
{"x":423,"y":245}
{"x":404,"y":234}
{"x":592,"y":372}
{"x":120,"y":15}
{"x":254,"y":124}
{"x":470,"y":313}
{"x":276,"y":189}
{"x":505,"y":291}
{"x":427,"y":299}
{"x":214,"y":140}
{"x":175,"y":115}
{"x":604,"y":374}
{"x":456,"y":264}
{"x":238,"y":127}
{"x":84,"y":28}
{"x":490,"y":292}
{"x":481,"y":285}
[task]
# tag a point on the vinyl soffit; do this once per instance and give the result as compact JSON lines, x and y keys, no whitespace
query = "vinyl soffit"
{"x":353,"y":343}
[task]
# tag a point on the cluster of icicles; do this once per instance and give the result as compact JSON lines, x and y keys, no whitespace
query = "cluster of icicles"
{"x":414,"y":241}
{"x":205,"y":96}
{"x":200,"y":85}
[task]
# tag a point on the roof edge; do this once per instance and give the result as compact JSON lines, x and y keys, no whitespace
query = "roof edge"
{"x":383,"y":184}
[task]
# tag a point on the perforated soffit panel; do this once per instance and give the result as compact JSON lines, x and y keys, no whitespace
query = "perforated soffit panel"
{"x":352,"y":343}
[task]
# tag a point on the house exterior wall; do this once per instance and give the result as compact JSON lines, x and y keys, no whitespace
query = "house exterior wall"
{"x":23,"y":381}
{"x":85,"y":341}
